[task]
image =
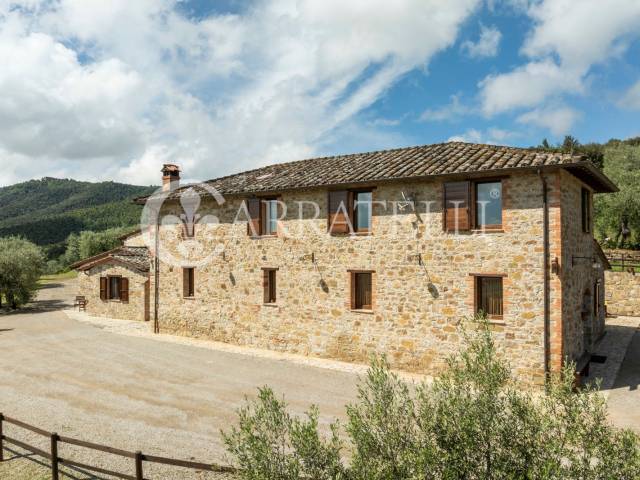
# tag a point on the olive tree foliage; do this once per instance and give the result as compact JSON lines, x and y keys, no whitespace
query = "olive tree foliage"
{"x":21,"y":264}
{"x":472,"y":422}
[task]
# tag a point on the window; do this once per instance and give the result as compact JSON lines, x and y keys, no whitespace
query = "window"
{"x":489,"y":296}
{"x":113,"y":287}
{"x":188,"y":282}
{"x":361,"y":291}
{"x":462,"y":211}
{"x":269,"y":285}
{"x":488,"y":200}
{"x":269,"y":217}
{"x":263,"y":216}
{"x":350,"y":211}
{"x":586,"y":210}
{"x":362,"y":211}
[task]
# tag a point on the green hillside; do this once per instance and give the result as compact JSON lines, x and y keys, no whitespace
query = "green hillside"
{"x":47,"y":211}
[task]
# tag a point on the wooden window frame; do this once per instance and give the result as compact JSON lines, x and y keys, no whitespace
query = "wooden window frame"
{"x":269,"y":286}
{"x":474,"y":206}
{"x":109,"y":297}
{"x":263,"y":216}
{"x":351,"y":211}
{"x":353,"y":275}
{"x":261,"y":219}
{"x":477,"y":278}
{"x":586,"y":213}
{"x":188,"y":282}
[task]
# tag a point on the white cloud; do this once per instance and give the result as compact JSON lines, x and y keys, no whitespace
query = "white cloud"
{"x":491,"y":136}
{"x":453,"y":110}
{"x":631,"y":98}
{"x":115,"y":88}
{"x":486,"y":46}
{"x":567,"y":39}
{"x":558,"y":120}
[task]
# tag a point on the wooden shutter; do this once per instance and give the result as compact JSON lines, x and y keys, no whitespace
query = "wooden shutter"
{"x":340,"y":202}
{"x":253,"y":208}
{"x":361,"y":291}
{"x":124,"y":289}
{"x":103,"y":288}
{"x":490,"y":296}
{"x":269,"y":285}
{"x":457,"y":198}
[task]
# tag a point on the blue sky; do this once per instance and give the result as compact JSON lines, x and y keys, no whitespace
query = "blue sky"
{"x":111,"y":90}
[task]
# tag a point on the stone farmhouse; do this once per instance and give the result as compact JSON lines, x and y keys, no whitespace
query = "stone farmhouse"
{"x":385,"y":252}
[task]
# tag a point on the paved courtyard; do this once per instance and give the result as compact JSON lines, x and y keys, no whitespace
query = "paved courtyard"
{"x":171,"y":396}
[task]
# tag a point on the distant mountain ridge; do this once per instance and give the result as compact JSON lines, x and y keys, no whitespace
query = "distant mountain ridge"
{"x":46,"y":211}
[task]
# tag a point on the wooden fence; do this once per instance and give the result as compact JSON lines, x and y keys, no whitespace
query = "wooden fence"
{"x":624,"y":261}
{"x":56,"y":460}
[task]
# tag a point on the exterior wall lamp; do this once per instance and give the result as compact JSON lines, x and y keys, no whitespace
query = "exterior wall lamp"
{"x":555,"y":266}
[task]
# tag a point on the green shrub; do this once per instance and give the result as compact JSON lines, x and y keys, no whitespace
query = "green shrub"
{"x":472,"y":422}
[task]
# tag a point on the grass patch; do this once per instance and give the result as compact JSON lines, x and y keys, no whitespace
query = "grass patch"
{"x":58,"y":276}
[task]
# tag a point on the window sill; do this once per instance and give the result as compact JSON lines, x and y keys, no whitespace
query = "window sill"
{"x":361,"y":310}
{"x":352,"y":235}
{"x":262,"y":237}
{"x":189,"y":298}
{"x":487,"y":230}
{"x":271,"y":305}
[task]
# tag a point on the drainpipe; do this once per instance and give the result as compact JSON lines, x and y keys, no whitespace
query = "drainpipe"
{"x":547,"y":319}
{"x":156,"y":276}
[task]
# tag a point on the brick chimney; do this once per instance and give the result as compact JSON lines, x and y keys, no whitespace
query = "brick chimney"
{"x":170,"y":177}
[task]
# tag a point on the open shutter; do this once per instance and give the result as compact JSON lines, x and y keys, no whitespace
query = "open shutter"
{"x":103,"y":288}
{"x":185,"y":282}
{"x":124,"y":289}
{"x":457,"y":211}
{"x":253,"y":208}
{"x":339,"y":220}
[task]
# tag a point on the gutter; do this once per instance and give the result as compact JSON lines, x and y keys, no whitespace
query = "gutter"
{"x":156,"y":276}
{"x":547,"y":319}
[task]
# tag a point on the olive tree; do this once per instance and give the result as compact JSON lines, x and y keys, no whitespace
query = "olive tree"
{"x":21,"y":264}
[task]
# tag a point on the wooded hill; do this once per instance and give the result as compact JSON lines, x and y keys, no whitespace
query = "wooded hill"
{"x":48,"y":210}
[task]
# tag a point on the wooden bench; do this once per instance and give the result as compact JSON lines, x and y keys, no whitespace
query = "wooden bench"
{"x":80,"y":302}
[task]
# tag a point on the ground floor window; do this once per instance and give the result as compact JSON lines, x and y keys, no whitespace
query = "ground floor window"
{"x":269,"y":285}
{"x":114,"y":287}
{"x":361,"y":290}
{"x":188,"y":282}
{"x":489,"y":296}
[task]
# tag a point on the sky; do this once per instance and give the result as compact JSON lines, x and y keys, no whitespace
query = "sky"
{"x":97,"y":90}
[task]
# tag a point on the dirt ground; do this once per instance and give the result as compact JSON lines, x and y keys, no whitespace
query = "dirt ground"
{"x":137,"y":393}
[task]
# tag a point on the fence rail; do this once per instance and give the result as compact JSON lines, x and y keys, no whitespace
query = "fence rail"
{"x":56,"y":460}
{"x":624,"y":261}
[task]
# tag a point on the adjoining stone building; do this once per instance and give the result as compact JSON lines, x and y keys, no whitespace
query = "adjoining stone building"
{"x":383,"y":252}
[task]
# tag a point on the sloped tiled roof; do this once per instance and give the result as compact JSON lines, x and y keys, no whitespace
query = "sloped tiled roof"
{"x":451,"y":158}
{"x":136,"y":257}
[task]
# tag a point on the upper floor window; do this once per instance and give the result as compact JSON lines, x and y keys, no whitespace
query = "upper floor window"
{"x":586,"y":210}
{"x":263,"y":216}
{"x":488,"y":200}
{"x":350,"y":211}
{"x":470,"y":205}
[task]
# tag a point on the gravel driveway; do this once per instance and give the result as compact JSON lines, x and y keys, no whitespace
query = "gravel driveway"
{"x":136,"y":393}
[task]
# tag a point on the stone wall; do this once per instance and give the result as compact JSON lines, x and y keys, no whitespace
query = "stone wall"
{"x":582,"y":325}
{"x":419,"y":309}
{"x":89,"y":286}
{"x":623,"y":293}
